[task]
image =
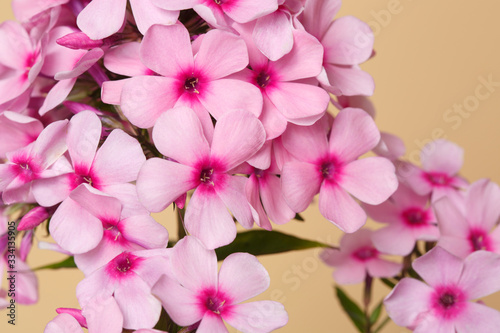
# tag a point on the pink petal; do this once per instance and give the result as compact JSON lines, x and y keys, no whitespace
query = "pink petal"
{"x":50,"y":191}
{"x":348,"y":41}
{"x":371,"y":180}
{"x":225,"y":95}
{"x":273,"y":35}
{"x":111,"y":91}
{"x":211,"y":322}
{"x":75,"y":229}
{"x":139,"y":307}
{"x":318,"y":15}
{"x":273,"y":200}
{"x":27,"y":9}
{"x":221,"y":53}
{"x":481,"y":204}
{"x":352,"y":272}
{"x":63,"y":323}
{"x":102,"y":18}
{"x":125,"y":60}
{"x":394,"y":240}
{"x":103,"y":314}
{"x":237,"y":136}
{"x":160,"y":182}
{"x":146,"y":14}
{"x":303,"y":61}
{"x":119,"y":159}
{"x":253,"y":197}
{"x":57,"y":95}
{"x":167,"y":50}
{"x":145,"y":231}
{"x":51,"y":143}
{"x":242,"y":277}
{"x":181,"y":304}
{"x":459,"y":247}
{"x":340,"y":208}
{"x":350,"y":80}
{"x":194,"y":266}
{"x":386,"y":212}
{"x":97,"y":203}
{"x":176,"y":4}
{"x":232,"y":193}
{"x":300,"y":183}
{"x":407,"y":301}
{"x":85,"y":62}
{"x":306,"y":143}
{"x":302,"y":104}
{"x":26,"y":284}
{"x":257,"y":317}
{"x":84,"y":134}
{"x":390,"y":146}
{"x":439,"y":267}
{"x":145,"y":98}
{"x":353,"y":134}
{"x":179,"y":135}
{"x":16,"y":45}
{"x":274,"y":122}
{"x":478,"y":318}
{"x":442,"y":156}
{"x":481,"y":274}
{"x":207,"y":218}
{"x":383,"y":268}
{"x":127,"y":194}
{"x":246,"y":11}
{"x":17,"y":131}
{"x":450,"y":221}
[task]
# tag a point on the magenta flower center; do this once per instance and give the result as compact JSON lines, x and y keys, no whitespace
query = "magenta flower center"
{"x":206,"y":176}
{"x":215,"y":304}
{"x":448,"y":301}
{"x":191,"y":85}
{"x":479,"y":240}
{"x":26,"y":169}
{"x":327,"y":170}
{"x":263,"y":79}
{"x":365,"y":253}
{"x":438,"y":179}
{"x":122,"y":265}
{"x":415,"y":216}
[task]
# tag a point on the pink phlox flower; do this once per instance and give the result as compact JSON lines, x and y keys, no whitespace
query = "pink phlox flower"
{"x":200,"y":82}
{"x":285,"y":84}
{"x":24,"y":287}
{"x":331,"y":167}
{"x":205,"y":167}
{"x":25,"y":10}
{"x":441,"y":162}
{"x":409,"y":217}
{"x":102,"y":18}
{"x":357,"y":257}
{"x":444,"y":303}
{"x":470,"y":225}
{"x":34,"y":162}
{"x":65,"y":65}
{"x":129,"y":278}
{"x":21,"y":59}
{"x":17,"y":131}
{"x":348,"y":42}
{"x":196,"y":293}
{"x":109,"y":169}
{"x":222,"y":13}
{"x":119,"y":234}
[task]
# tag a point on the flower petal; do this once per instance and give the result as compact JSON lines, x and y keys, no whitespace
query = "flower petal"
{"x":300,"y":183}
{"x":439,"y":267}
{"x":84,"y":133}
{"x":109,"y":14}
{"x":257,"y":317}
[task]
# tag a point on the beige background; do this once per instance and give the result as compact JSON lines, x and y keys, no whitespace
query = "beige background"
{"x":430,"y":57}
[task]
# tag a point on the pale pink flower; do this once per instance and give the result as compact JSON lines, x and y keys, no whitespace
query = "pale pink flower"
{"x":102,"y":18}
{"x":357,"y":257}
{"x":348,"y":42}
{"x":410,"y":218}
{"x":331,"y":168}
{"x":109,"y":169}
{"x":133,"y":233}
{"x":25,"y":10}
{"x":286,"y":87}
{"x":24,"y":288}
{"x":444,"y":305}
{"x":471,"y":226}
{"x":21,"y":59}
{"x":32,"y":163}
{"x":205,"y":167}
{"x":17,"y":131}
{"x":221,"y":13}
{"x":196,"y":293}
{"x":128,"y":278}
{"x":441,"y":161}
{"x":200,"y":82}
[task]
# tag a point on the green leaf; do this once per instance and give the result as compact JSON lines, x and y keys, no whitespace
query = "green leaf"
{"x":388,"y":283}
{"x":259,"y":242}
{"x":352,"y":309}
{"x":376,"y":313}
{"x":69,"y":262}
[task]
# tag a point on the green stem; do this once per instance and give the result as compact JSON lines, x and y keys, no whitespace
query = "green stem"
{"x":382,"y":324}
{"x":367,"y":296}
{"x":181,"y":232}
